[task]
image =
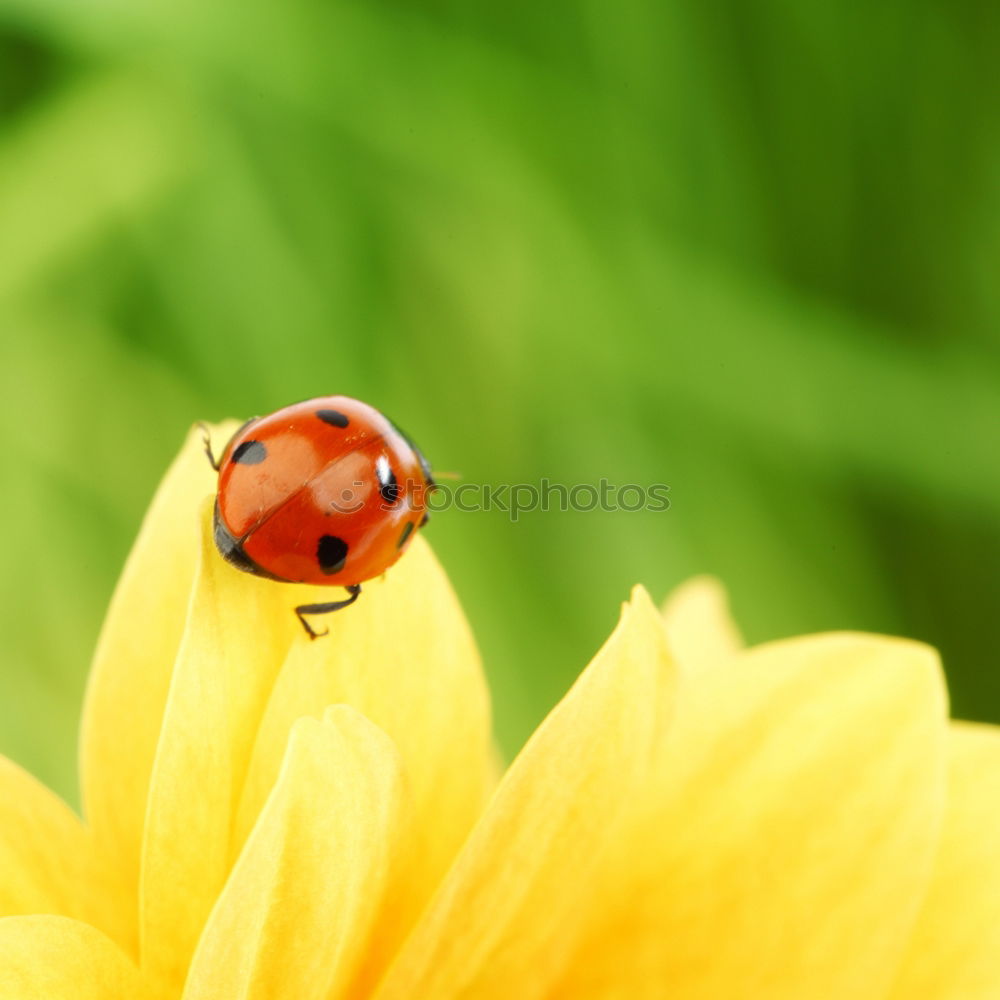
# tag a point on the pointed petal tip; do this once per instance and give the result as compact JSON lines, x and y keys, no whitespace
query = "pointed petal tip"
{"x":638,"y":598}
{"x":640,"y":621}
{"x":704,"y":584}
{"x":699,"y":624}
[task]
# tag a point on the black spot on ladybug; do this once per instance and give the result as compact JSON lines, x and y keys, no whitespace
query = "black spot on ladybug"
{"x":333,"y":417}
{"x":390,"y":489}
{"x":387,"y":483}
{"x":407,"y":531}
{"x":250,"y":453}
{"x":331,"y":553}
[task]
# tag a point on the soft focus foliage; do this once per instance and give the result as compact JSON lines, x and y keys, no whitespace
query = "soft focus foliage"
{"x":748,"y":251}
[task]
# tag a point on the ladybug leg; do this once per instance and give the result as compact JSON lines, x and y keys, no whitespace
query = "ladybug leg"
{"x":206,"y":439}
{"x":321,"y":609}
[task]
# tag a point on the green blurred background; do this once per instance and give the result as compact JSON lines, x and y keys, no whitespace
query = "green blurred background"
{"x":746,"y":250}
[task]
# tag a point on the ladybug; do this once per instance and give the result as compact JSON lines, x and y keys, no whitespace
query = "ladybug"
{"x":329,"y":491}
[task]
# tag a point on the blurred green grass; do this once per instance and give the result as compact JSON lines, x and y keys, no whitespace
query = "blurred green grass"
{"x":749,"y":251}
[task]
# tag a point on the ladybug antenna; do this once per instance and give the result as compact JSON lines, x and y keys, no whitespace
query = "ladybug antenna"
{"x":206,"y":440}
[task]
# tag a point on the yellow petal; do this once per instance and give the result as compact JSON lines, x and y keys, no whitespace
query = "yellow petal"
{"x":405,"y":658}
{"x":502,"y":920}
{"x":295,"y":918}
{"x":788,"y":843}
{"x":135,"y":656}
{"x":55,"y":958}
{"x":237,"y":633}
{"x":699,"y":627}
{"x":954,"y":953}
{"x":48,"y":863}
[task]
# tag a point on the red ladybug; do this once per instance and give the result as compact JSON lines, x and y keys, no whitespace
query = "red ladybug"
{"x":328,"y":491}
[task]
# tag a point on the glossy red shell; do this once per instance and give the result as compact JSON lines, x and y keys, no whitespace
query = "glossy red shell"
{"x":315,"y":481}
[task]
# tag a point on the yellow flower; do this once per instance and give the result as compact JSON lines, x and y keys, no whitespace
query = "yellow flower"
{"x":269,"y":817}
